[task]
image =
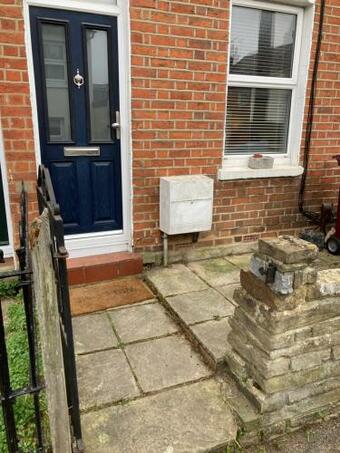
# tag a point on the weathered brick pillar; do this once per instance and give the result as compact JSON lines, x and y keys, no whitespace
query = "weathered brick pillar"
{"x":285,"y":335}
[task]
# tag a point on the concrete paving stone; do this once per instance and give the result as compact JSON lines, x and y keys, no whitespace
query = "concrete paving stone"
{"x":327,"y":261}
{"x":241,"y":261}
{"x":137,"y":304}
{"x":213,"y":337}
{"x":142,"y":322}
{"x":190,"y":419}
{"x":228,"y":292}
{"x":104,"y":378}
{"x":216,"y":272}
{"x":176,"y":279}
{"x":165,"y":362}
{"x":93,"y":333}
{"x":200,"y":306}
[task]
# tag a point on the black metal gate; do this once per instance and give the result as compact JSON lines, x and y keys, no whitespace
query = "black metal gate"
{"x":8,"y":395}
{"x":47,"y":200}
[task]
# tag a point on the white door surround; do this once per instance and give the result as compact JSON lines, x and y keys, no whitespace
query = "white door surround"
{"x":7,"y":249}
{"x":110,"y":241}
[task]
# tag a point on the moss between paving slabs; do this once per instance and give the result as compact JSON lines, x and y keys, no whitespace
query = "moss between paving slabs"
{"x":17,"y":350}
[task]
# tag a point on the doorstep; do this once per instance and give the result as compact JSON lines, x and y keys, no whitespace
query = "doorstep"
{"x":98,"y":268}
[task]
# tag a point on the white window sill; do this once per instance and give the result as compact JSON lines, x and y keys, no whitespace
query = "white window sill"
{"x":230,"y":173}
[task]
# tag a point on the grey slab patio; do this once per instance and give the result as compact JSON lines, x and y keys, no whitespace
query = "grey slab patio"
{"x":165,"y":362}
{"x":241,"y":261}
{"x":213,"y":338}
{"x":104,"y":378}
{"x":216,"y":272}
{"x":200,"y":306}
{"x":326,"y":261}
{"x":142,"y":322}
{"x":93,"y":333}
{"x":176,"y":279}
{"x":228,"y":291}
{"x":190,"y":419}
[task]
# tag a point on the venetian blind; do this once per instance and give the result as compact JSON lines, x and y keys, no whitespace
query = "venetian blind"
{"x":262,"y":47}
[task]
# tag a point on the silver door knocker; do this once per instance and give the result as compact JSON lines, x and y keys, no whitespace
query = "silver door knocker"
{"x":78,"y":80}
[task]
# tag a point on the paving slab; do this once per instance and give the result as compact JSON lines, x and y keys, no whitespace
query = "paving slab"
{"x":104,"y":378}
{"x":241,"y":261}
{"x":176,"y":279}
{"x":216,"y":272}
{"x":190,"y":419}
{"x":142,"y":322}
{"x":200,"y":306}
{"x":93,"y":333}
{"x":165,"y":362}
{"x":213,"y":338}
{"x":326,"y":261}
{"x":228,"y":292}
{"x":137,"y":304}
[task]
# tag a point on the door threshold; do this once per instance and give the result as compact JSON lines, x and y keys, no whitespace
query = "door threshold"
{"x":89,"y":244}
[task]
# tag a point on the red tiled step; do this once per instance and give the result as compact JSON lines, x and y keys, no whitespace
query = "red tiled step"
{"x":97,"y":268}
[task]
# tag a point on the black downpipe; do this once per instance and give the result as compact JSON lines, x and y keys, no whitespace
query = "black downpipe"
{"x":314,"y":217}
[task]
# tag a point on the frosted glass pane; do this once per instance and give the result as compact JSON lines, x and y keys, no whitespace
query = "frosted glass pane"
{"x":99,"y":93}
{"x":56,"y":82}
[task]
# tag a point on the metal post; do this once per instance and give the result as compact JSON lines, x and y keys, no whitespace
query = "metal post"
{"x":5,"y":392}
{"x":26,"y":283}
{"x":69,"y":354}
{"x":165,"y":250}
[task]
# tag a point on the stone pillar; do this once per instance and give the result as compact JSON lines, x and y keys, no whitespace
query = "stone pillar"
{"x":285,"y":332}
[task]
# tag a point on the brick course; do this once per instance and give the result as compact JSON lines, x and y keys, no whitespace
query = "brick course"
{"x":179,"y":78}
{"x":179,"y":72}
{"x":15,"y":107}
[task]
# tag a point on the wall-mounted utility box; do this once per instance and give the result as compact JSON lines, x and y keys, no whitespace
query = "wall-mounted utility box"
{"x":186,"y":204}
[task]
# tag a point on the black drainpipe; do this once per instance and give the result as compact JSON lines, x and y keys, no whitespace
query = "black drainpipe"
{"x":314,"y":217}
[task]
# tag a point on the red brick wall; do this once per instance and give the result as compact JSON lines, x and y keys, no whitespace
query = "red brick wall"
{"x":179,"y":73}
{"x":179,"y":65}
{"x":15,"y":106}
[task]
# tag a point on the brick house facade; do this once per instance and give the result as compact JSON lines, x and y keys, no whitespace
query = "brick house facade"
{"x":179,"y":77}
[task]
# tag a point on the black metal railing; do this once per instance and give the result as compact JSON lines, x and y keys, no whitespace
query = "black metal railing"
{"x":47,"y":200}
{"x":8,"y":395}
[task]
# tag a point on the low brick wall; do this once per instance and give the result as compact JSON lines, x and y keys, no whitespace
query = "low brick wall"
{"x":285,"y":336}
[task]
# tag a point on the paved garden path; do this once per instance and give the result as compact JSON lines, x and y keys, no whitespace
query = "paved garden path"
{"x":151,"y":374}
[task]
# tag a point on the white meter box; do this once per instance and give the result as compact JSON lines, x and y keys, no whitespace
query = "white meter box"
{"x":186,"y":204}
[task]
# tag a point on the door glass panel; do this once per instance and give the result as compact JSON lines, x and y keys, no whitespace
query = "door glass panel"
{"x":98,"y":84}
{"x":56,"y":81}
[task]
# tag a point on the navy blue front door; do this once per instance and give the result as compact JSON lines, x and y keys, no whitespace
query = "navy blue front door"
{"x":76,"y":71}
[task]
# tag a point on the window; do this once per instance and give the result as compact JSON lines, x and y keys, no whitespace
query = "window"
{"x":266,"y":79}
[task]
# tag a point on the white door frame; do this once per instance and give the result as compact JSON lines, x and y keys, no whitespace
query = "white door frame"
{"x":109,"y":241}
{"x":7,"y":249}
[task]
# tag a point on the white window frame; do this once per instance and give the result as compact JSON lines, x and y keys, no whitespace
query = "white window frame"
{"x":7,"y":249}
{"x":235,"y":166}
